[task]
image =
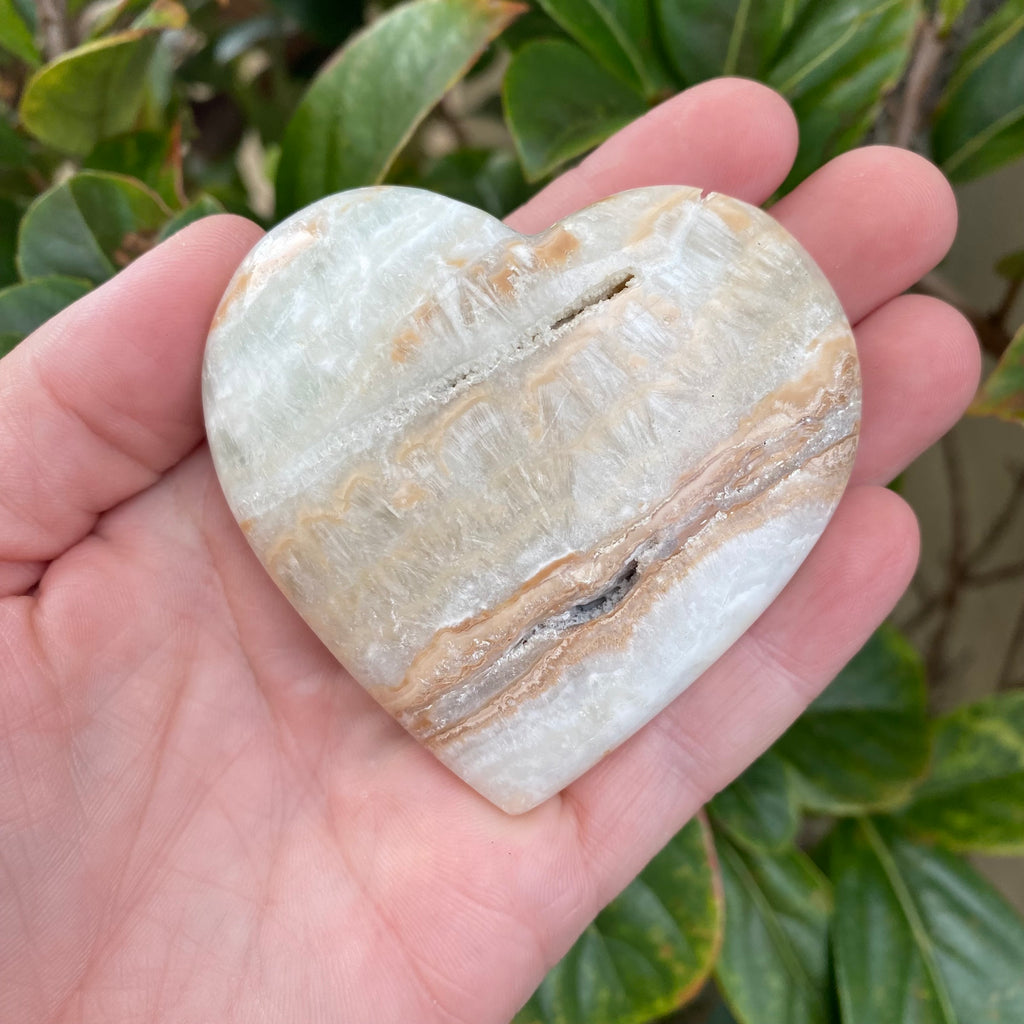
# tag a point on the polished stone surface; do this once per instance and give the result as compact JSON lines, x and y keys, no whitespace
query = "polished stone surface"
{"x":527,"y":489}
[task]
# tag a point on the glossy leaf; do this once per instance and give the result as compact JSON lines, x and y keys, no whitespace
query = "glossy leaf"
{"x":864,"y":742}
{"x":920,"y":937}
{"x":204,"y":206}
{"x":974,"y":797}
{"x":835,"y":67}
{"x":88,"y":227}
{"x":648,"y":951}
{"x":489,"y":180}
{"x":617,"y":34}
{"x":90,"y":93}
{"x":24,"y":307}
{"x":705,"y":38}
{"x":980,"y":120}
{"x":15,"y":36}
{"x":1002,"y":394}
{"x":774,"y":961}
{"x":559,"y":104}
{"x":759,"y":809}
{"x":363,"y":105}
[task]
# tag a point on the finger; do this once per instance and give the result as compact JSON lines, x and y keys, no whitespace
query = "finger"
{"x":875,"y":220}
{"x":690,"y":139}
{"x":920,"y":363}
{"x":103,"y":398}
{"x":624,"y":810}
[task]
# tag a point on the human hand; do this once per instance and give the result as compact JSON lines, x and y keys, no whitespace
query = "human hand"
{"x":202,"y":817}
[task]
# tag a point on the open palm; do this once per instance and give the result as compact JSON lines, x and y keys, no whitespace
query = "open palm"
{"x":202,"y":817}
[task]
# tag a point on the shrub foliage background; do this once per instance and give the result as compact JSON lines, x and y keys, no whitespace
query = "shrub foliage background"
{"x":828,"y":883}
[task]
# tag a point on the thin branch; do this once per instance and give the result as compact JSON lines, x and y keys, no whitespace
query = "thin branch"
{"x":928,"y":53}
{"x":53,"y":25}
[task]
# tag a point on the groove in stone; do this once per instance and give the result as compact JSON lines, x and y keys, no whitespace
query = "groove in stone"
{"x":602,"y":603}
{"x":610,"y":290}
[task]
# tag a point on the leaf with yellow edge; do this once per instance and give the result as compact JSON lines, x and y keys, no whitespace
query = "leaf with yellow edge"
{"x":1002,"y":394}
{"x":649,"y":950}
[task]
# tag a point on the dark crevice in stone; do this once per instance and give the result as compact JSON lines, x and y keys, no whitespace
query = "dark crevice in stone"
{"x":601,"y":604}
{"x":611,"y":596}
{"x":613,"y":288}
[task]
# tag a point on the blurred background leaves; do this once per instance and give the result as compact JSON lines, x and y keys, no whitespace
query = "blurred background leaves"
{"x":830,"y":882}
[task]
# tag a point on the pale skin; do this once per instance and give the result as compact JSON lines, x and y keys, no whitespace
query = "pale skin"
{"x":202,"y":817}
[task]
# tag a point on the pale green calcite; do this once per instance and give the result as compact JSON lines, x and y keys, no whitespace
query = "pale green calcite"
{"x":527,"y":489}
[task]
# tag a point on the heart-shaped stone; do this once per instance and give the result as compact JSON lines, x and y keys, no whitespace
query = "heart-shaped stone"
{"x":528,"y":488}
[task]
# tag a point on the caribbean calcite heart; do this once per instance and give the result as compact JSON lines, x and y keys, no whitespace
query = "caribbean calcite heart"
{"x":528,"y":488}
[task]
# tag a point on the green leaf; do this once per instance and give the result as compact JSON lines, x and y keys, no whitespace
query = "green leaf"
{"x":559,"y":104}
{"x":949,"y":13}
{"x":617,"y":34}
{"x":835,"y":67}
{"x":920,"y":938}
{"x":204,"y":206}
{"x":15,"y":36}
{"x":489,"y":180}
{"x":974,"y":797}
{"x":759,"y":809}
{"x":1002,"y":394}
{"x":705,"y":38}
{"x":90,"y":93}
{"x":363,"y":106}
{"x":648,"y":951}
{"x":774,"y":961}
{"x":980,"y":121}
{"x":864,"y":742}
{"x":88,"y":227}
{"x":24,"y":307}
